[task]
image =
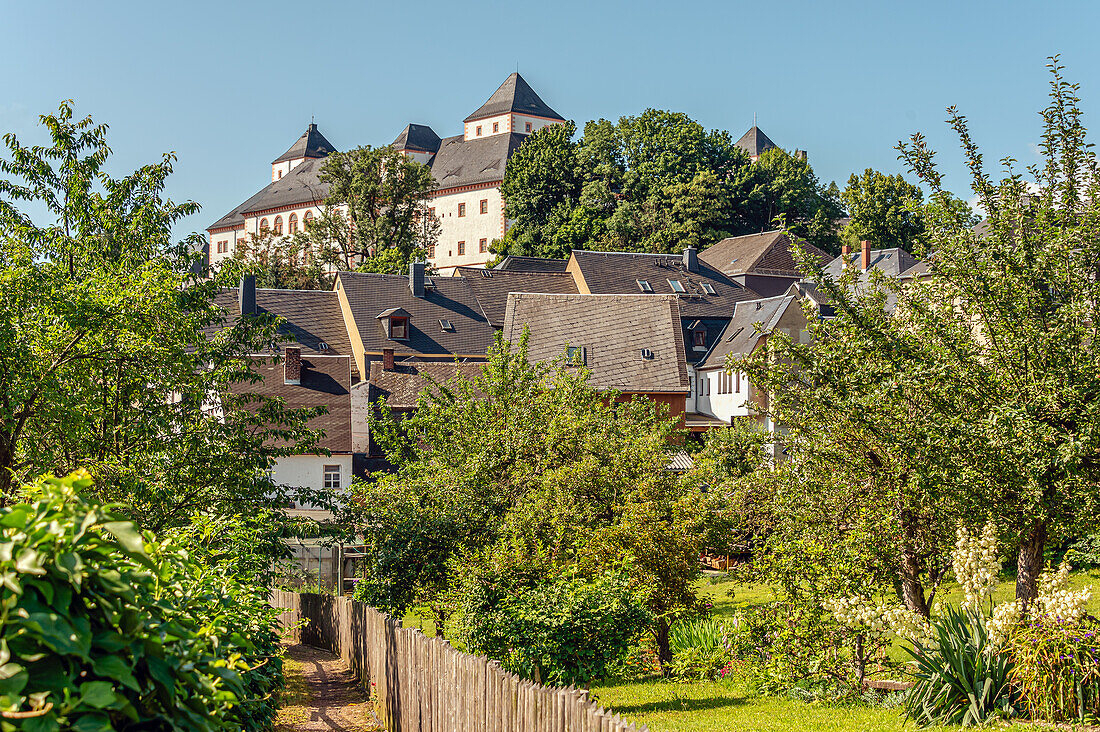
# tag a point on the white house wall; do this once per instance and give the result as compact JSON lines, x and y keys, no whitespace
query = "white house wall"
{"x":307,"y":471}
{"x":471,"y":228}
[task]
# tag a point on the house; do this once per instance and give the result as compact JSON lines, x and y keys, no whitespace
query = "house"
{"x":492,"y":286}
{"x":764,"y":263}
{"x":630,"y":343}
{"x":468,"y":170}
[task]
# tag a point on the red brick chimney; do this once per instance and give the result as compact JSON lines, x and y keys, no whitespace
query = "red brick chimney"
{"x":387,"y":359}
{"x":866,"y":264}
{"x":292,"y":365}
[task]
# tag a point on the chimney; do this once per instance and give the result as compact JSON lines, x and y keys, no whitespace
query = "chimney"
{"x":845,"y":250}
{"x":416,"y":278}
{"x":691,"y":259}
{"x":387,"y":359}
{"x":247,"y":294}
{"x":866,"y":264}
{"x":292,"y":365}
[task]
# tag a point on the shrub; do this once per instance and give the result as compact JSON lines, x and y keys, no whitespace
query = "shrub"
{"x":961,"y":679}
{"x":699,"y":649}
{"x":1056,"y":668}
{"x":102,"y":628}
{"x":1084,"y":552}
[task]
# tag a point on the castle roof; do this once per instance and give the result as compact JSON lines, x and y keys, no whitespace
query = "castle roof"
{"x":312,"y":144}
{"x":755,"y":142}
{"x":514,"y":95}
{"x":462,"y":162}
{"x":417,"y":138}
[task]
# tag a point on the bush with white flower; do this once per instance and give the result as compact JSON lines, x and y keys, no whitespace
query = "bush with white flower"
{"x":976,"y":564}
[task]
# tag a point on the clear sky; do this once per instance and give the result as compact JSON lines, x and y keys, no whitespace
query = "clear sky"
{"x":229,"y":85}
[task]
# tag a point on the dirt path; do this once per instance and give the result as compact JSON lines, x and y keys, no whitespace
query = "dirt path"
{"x":322,"y":694}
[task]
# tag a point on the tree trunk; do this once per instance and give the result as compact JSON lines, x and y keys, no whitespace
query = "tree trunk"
{"x":664,"y":650}
{"x":1030,"y":562}
{"x":860,"y":662}
{"x":912,"y":591}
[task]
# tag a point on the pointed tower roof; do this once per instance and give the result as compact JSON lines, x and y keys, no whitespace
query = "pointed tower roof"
{"x":755,"y":142}
{"x":312,"y":144}
{"x":514,"y":95}
{"x":417,"y":138}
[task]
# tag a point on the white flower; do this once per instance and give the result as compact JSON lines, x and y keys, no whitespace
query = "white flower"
{"x":1000,"y":624}
{"x":976,"y":565}
{"x":864,"y":615}
{"x":1056,"y":600}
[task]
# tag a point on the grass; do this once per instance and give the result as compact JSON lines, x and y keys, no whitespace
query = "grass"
{"x":295,"y":700}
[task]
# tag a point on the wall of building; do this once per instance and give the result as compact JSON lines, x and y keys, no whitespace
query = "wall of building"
{"x":502,"y":121}
{"x":471,"y":228}
{"x":307,"y":471}
{"x":520,"y":122}
{"x":278,"y":170}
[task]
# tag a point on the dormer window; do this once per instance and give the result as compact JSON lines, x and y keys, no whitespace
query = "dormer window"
{"x":447,"y":325}
{"x":699,"y":340}
{"x":399,"y":329}
{"x":644,"y":286}
{"x":395,"y":322}
{"x":676,"y":286}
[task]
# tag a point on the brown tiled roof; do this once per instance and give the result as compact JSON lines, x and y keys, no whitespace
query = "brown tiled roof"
{"x":613,"y":330}
{"x":619,"y":272}
{"x":326,"y":382}
{"x":491,"y":287}
{"x":768,"y":253}
{"x":311,"y":317}
{"x":401,"y":386}
{"x":742,"y":335}
{"x":445,"y":298}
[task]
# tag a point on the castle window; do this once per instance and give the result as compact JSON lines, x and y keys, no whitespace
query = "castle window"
{"x":528,"y":126}
{"x":292,"y":224}
{"x":431,"y":211}
{"x":479,"y":130}
{"x":279,"y":225}
{"x":307,"y":219}
{"x":461,"y":248}
{"x":280,"y":174}
{"x":483,"y":246}
{"x":485,"y":205}
{"x":431,"y":251}
{"x":223,"y":246}
{"x":496,"y":127}
{"x":461,"y":209}
{"x":264,"y":226}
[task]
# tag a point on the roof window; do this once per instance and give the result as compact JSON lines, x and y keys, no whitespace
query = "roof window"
{"x":735,"y":334}
{"x":647,"y":355}
{"x":576,"y":356}
{"x":676,"y":286}
{"x":446,"y":325}
{"x":708,"y":288}
{"x":645,"y":286}
{"x":486,"y":273}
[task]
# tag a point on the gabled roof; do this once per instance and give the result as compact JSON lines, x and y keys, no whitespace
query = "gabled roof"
{"x":754,"y":142}
{"x":312,"y":318}
{"x":325,"y":382}
{"x":767,"y":253}
{"x":619,"y":272}
{"x":400,"y":387}
{"x":312,"y":144}
{"x":750,"y":321}
{"x":417,"y":138}
{"x":613,"y":330}
{"x":514,"y":95}
{"x":301,"y":186}
{"x":480,"y":160}
{"x":491,"y":287}
{"x":445,"y":298}
{"x":516,"y":263}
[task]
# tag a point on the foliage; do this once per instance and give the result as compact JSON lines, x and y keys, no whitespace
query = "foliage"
{"x":959,"y":680}
{"x":698,"y":649}
{"x":1085,"y":552}
{"x":562,"y":631}
{"x":104,"y":628}
{"x":1056,"y":668}
{"x":107,"y":358}
{"x":884,"y":209}
{"x":283,"y":262}
{"x":523,"y":474}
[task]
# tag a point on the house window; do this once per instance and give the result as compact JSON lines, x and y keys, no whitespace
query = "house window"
{"x":431,"y":211}
{"x":479,"y":130}
{"x":485,"y":205}
{"x":292,"y":224}
{"x":644,"y":286}
{"x":737,"y":376}
{"x":676,"y":286}
{"x":279,"y":225}
{"x":461,"y":248}
{"x":264,"y":226}
{"x":431,"y":251}
{"x":708,"y":288}
{"x":332,"y":477}
{"x":307,"y":219}
{"x":447,"y":325}
{"x":399,"y":328}
{"x":528,"y":126}
{"x":575,"y":355}
{"x":496,"y":127}
{"x":223,"y":247}
{"x":699,"y":340}
{"x":462,"y":209}
{"x":483,"y":246}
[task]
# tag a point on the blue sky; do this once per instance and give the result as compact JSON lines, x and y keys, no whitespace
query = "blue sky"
{"x":229,"y":86}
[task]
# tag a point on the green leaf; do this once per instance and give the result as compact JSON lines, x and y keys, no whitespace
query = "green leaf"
{"x":127,"y":535}
{"x":29,"y":561}
{"x":115,"y":668}
{"x":97,"y":694}
{"x":14,"y":519}
{"x":13,"y":678}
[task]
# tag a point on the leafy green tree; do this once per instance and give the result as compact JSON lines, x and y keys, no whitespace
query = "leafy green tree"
{"x":287,"y":263}
{"x":884,"y":209}
{"x":107,"y":358}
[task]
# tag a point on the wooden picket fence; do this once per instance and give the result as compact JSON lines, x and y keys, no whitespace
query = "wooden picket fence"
{"x":423,"y":684}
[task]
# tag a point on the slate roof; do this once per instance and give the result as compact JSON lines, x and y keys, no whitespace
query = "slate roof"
{"x":302,"y":185}
{"x":613,"y":330}
{"x":311,"y":317}
{"x":768,"y":253}
{"x":741,"y":336}
{"x":619,"y":272}
{"x":532,"y":264}
{"x":891,"y":262}
{"x":418,"y":138}
{"x":491,"y":287}
{"x":401,"y":387}
{"x":514,"y":95}
{"x":445,"y":298}
{"x":754,"y":141}
{"x":326,"y":382}
{"x":312,"y":144}
{"x":480,"y":160}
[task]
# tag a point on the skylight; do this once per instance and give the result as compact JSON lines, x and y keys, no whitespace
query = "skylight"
{"x":645,"y":286}
{"x":676,"y":286}
{"x":446,"y":325}
{"x":708,"y":288}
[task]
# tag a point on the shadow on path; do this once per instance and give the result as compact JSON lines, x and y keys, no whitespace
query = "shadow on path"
{"x":334,"y":699}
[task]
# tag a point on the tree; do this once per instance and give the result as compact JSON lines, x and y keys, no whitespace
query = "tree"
{"x":287,"y":263}
{"x":382,"y":195}
{"x":112,"y":353}
{"x":884,"y":209}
